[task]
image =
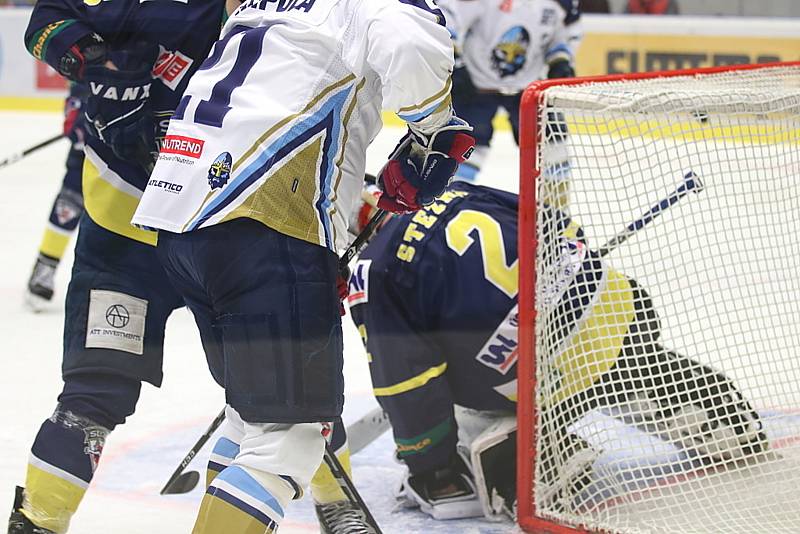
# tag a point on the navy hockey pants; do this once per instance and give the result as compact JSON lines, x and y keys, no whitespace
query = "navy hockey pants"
{"x":275,"y":341}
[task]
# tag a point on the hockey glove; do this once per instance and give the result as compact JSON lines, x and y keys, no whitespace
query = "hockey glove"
{"x":343,"y":288}
{"x":118,"y":112}
{"x":421,"y":167}
{"x":560,"y":68}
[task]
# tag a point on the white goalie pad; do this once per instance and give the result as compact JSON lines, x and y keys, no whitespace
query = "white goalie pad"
{"x":493,"y":458}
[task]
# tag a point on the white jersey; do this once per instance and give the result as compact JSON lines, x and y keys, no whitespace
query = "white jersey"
{"x":275,"y":124}
{"x":507,"y":44}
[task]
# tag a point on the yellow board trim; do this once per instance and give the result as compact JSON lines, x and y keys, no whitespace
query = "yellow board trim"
{"x":412,"y":383}
{"x":686,"y":130}
{"x":51,"y":500}
{"x":29,"y":103}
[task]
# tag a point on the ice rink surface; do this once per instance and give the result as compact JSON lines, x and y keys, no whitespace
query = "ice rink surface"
{"x":140,"y":455}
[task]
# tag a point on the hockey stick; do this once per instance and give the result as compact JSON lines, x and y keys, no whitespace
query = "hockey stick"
{"x":367,"y":429}
{"x":361,"y":240}
{"x":691,"y":183}
{"x":19,"y":155}
{"x":181,"y":482}
{"x":347,"y":487}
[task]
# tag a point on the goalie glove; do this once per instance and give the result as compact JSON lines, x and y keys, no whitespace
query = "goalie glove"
{"x":421,"y":167}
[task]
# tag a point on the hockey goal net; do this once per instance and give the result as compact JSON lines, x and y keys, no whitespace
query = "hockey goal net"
{"x":659,"y":372}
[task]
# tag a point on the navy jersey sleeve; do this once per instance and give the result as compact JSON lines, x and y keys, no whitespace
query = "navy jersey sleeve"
{"x":407,"y":368}
{"x":55,"y":25}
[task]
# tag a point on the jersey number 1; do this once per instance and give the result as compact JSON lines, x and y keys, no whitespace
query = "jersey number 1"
{"x":211,"y":112}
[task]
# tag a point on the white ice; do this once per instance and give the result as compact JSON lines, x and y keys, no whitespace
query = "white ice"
{"x":141,"y":454}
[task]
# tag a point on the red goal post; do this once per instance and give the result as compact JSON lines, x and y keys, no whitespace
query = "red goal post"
{"x":532,"y":115}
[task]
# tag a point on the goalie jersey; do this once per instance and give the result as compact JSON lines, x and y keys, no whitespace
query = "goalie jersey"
{"x":281,"y":113}
{"x":506,"y":44}
{"x":434,"y":297}
{"x":179,"y":34}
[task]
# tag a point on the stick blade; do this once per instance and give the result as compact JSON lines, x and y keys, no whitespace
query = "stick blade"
{"x":693,"y":182}
{"x":183,"y":484}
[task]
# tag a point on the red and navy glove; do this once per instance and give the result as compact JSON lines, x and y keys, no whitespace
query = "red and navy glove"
{"x":420,"y":168}
{"x":343,"y":288}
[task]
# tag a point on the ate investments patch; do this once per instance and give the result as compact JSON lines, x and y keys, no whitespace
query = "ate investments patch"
{"x":116,"y":321}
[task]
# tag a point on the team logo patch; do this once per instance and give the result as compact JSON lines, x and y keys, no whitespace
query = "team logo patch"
{"x":94,"y":440}
{"x":115,"y":321}
{"x":183,"y":146}
{"x":220,"y":171}
{"x":65,"y":211}
{"x":500,"y":352}
{"x":509,"y":55}
{"x":359,"y":283}
{"x":117,"y":316}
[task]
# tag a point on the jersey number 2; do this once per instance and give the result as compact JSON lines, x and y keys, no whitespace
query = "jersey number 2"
{"x":503,"y":276}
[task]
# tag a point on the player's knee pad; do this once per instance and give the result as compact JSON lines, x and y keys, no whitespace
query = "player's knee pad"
{"x":286,"y":373}
{"x":227,"y":446}
{"x":104,"y":398}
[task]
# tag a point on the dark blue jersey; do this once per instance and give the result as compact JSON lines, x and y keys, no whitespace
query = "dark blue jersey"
{"x":182,"y":32}
{"x":178,"y":33}
{"x":434,"y":296}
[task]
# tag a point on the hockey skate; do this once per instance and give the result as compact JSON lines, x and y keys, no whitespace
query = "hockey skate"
{"x":41,"y":283}
{"x":446,"y":493}
{"x":18,"y":523}
{"x":341,"y":517}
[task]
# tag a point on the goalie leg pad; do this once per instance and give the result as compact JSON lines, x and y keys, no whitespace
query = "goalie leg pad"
{"x":695,"y":407}
{"x":565,"y":469}
{"x":493,"y":454}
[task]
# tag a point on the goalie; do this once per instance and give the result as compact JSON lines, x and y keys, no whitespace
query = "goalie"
{"x":434,"y":296}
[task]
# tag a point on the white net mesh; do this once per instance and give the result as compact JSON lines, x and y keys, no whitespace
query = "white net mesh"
{"x":668,"y":369}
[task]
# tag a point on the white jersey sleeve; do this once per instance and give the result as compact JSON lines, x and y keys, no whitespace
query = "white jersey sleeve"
{"x":275,"y":124}
{"x":407,"y":45}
